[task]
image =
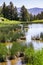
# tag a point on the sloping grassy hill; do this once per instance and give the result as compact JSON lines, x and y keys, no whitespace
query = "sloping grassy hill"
{"x":6,"y":21}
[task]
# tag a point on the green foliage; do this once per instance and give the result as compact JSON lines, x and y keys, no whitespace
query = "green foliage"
{"x":10,"y":33}
{"x":15,"y":13}
{"x":34,"y":58}
{"x":4,"y":9}
{"x":24,"y":15}
{"x":15,"y":36}
{"x":3,"y":51}
{"x":38,"y":58}
{"x":2,"y":38}
{"x":9,"y":11}
{"x":38,"y":17}
{"x":16,"y":47}
{"x":29,"y":53}
{"x":23,"y":47}
{"x":1,"y":12}
{"x":31,"y":17}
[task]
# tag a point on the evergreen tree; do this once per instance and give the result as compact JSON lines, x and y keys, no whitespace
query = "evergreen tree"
{"x":41,"y":15}
{"x":15,"y":14}
{"x":11,"y":11}
{"x":7,"y":12}
{"x":31,"y":17}
{"x":4,"y":9}
{"x":38,"y":16}
{"x":24,"y":15}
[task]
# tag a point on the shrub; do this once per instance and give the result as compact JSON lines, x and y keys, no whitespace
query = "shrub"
{"x":3,"y":52}
{"x":16,"y":47}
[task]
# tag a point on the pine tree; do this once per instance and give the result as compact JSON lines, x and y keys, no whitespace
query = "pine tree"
{"x":24,"y":15}
{"x":4,"y":9}
{"x":15,"y":14}
{"x":41,"y":15}
{"x":11,"y":11}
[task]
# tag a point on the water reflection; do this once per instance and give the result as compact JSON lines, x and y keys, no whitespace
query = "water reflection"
{"x":19,"y":62}
{"x":33,"y":30}
{"x":14,"y":62}
{"x":8,"y":62}
{"x":37,"y":45}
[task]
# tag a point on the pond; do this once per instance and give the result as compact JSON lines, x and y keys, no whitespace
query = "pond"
{"x":34,"y":30}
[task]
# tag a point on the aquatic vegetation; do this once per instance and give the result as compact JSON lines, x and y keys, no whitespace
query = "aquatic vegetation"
{"x":3,"y":52}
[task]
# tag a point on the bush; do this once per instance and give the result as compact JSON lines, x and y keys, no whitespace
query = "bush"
{"x":16,"y":47}
{"x":3,"y":52}
{"x":8,"y":34}
{"x":29,"y":53}
{"x":34,"y":58}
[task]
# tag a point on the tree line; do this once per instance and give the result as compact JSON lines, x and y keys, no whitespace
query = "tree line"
{"x":10,"y":12}
{"x":39,"y":16}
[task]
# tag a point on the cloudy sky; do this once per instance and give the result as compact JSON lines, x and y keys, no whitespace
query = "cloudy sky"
{"x":27,"y":3}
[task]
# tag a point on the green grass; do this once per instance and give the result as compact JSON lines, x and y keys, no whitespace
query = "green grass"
{"x":10,"y":22}
{"x":6,"y":21}
{"x":38,"y":21}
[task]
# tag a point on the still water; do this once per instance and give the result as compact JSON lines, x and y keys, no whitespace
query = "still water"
{"x":34,"y":30}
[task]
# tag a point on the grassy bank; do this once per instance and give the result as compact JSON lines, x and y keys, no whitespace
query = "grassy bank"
{"x":33,"y":22}
{"x":38,"y":21}
{"x":4,"y":21}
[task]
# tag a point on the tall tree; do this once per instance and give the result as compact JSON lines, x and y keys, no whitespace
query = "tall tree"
{"x":31,"y":17}
{"x":4,"y":9}
{"x":11,"y":11}
{"x":41,"y":15}
{"x":15,"y":14}
{"x":38,"y":16}
{"x":24,"y":15}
